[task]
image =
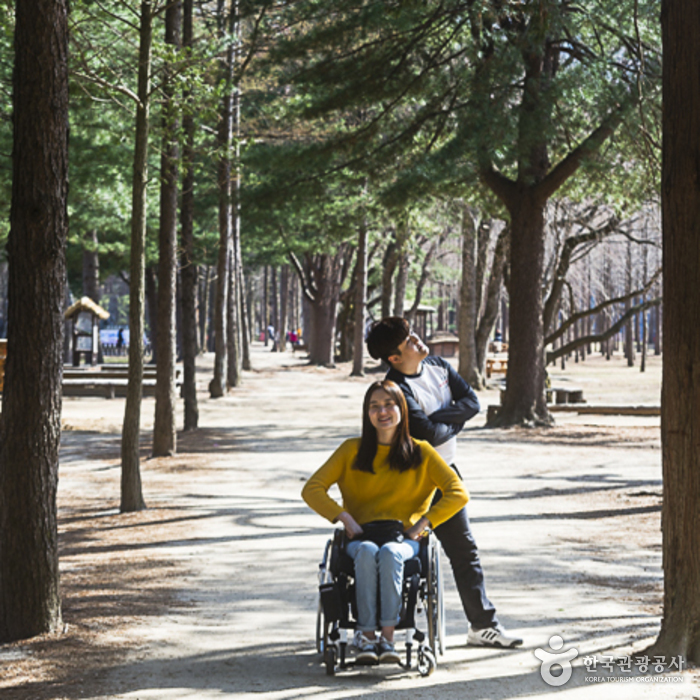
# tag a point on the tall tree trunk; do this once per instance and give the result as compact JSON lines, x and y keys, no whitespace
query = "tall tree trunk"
{"x":358,"y":350}
{"x":645,"y":333}
{"x":151,"y":292}
{"x":658,"y":325}
{"x":468,"y":309}
{"x":322,"y":277}
{"x":246,"y":320}
{"x":233,"y":377}
{"x":217,"y":386}
{"x":91,"y":280}
{"x":235,"y":360}
{"x":204,"y":311}
{"x":524,"y":400}
{"x":266,"y":321}
{"x":388,"y":267}
{"x":629,"y":326}
{"x":680,"y":400}
{"x":284,"y":308}
{"x":91,"y":267}
{"x":402,"y":237}
{"x":274,"y":297}
{"x":131,"y":493}
{"x":189,"y":268}
{"x":164,"y":431}
{"x":31,"y":417}
{"x":492,"y":300}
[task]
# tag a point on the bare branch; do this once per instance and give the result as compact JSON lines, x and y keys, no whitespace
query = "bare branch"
{"x":301,"y":275}
{"x":600,"y":307}
{"x":110,"y":86}
{"x":584,"y":340}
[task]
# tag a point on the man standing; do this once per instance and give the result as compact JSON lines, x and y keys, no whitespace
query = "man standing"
{"x":439,"y":404}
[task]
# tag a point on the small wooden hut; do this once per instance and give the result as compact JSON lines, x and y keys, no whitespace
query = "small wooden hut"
{"x":85,"y":337}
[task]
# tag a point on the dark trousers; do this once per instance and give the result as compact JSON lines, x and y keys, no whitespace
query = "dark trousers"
{"x":457,"y":540}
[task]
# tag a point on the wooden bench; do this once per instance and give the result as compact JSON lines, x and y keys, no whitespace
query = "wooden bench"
{"x":496,"y":365}
{"x":109,"y":382}
{"x":106,"y":388}
{"x":563,"y":395}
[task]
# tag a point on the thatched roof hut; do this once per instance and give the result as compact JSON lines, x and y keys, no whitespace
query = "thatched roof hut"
{"x":85,"y":304}
{"x":85,"y":315}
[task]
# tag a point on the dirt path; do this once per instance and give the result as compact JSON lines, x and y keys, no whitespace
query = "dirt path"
{"x":211,"y":593}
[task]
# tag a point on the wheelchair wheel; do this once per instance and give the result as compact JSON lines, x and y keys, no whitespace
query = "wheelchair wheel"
{"x":321,"y":629}
{"x":426,"y":662}
{"x":329,"y":658}
{"x":436,"y":600}
{"x":324,"y":576}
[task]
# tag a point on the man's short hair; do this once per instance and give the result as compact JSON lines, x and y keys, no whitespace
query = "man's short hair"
{"x":385,"y":336}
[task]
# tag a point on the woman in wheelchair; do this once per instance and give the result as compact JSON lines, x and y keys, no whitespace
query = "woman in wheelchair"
{"x":387,"y":481}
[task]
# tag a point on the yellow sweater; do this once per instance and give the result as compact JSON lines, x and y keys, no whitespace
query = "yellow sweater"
{"x":387,"y":494}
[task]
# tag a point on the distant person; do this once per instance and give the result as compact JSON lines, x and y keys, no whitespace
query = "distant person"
{"x":293,"y":340}
{"x":272,"y":337}
{"x":439,"y":403}
{"x":120,"y":341}
{"x":497,"y":342}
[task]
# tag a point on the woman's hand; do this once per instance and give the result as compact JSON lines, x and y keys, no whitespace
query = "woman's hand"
{"x":352,"y":529}
{"x":419,"y":530}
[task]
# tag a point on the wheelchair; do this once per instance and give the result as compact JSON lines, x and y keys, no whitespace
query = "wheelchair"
{"x":421,"y":595}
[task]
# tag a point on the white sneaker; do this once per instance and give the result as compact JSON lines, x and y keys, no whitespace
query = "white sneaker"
{"x":493,"y":637}
{"x":367,"y":654}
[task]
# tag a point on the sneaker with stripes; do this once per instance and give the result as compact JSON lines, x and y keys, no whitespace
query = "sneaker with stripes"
{"x":493,"y":637}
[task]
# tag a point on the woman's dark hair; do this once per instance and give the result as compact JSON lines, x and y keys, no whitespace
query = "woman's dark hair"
{"x":404,"y":454}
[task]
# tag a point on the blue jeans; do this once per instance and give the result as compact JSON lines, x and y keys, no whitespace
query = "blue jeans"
{"x":384,"y":566}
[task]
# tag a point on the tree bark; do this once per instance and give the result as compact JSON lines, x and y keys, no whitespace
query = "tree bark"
{"x":91,"y":280}
{"x":217,"y":386}
{"x":189,"y":268}
{"x":91,"y":267}
{"x":151,"y":309}
{"x":492,"y":300}
{"x":205,"y":309}
{"x":233,"y":364}
{"x":246,"y":321}
{"x":321,"y":277}
{"x":388,"y":267}
{"x":283,"y":308}
{"x":164,"y":431}
{"x":629,"y":327}
{"x":680,"y":400}
{"x":468,"y":308}
{"x":131,"y":493}
{"x":403,"y":233}
{"x":235,"y":359}
{"x":524,"y":400}
{"x":358,"y":349}
{"x":31,"y":416}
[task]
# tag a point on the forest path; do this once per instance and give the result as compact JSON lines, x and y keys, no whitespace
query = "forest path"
{"x":567,"y":521}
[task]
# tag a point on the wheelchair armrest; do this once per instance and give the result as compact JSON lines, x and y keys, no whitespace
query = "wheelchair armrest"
{"x":340,"y":561}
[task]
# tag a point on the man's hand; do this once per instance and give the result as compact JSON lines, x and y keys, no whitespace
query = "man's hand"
{"x":352,"y":529}
{"x":419,"y":530}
